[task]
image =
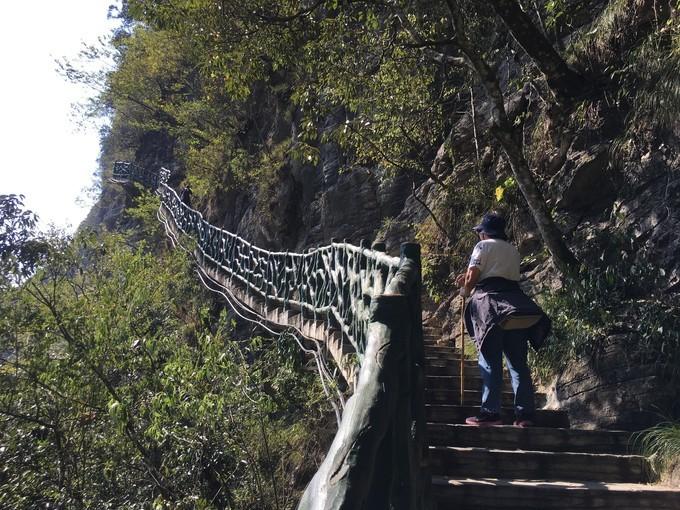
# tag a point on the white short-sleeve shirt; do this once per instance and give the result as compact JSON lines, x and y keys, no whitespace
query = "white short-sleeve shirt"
{"x":495,"y":257}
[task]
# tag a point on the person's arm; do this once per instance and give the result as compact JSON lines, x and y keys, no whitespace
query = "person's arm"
{"x":467,"y":280}
{"x":471,"y":279}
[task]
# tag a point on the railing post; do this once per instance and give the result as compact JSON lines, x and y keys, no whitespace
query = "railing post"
{"x":357,"y":472}
{"x":417,"y":477}
{"x":364,"y":244}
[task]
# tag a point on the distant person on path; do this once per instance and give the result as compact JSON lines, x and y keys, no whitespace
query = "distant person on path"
{"x":185,"y":196}
{"x":502,"y":320}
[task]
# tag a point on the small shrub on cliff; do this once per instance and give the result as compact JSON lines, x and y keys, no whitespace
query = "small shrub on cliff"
{"x":652,"y":78}
{"x":446,"y":234}
{"x":613,"y":298}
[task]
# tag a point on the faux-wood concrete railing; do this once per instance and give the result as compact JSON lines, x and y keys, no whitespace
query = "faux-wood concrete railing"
{"x":373,"y":300}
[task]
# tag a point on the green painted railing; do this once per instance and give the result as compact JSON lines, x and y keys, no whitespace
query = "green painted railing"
{"x":374,"y":299}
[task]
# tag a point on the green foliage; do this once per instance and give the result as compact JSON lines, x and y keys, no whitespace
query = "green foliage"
{"x":613,"y":297}
{"x":267,"y":170}
{"x":366,"y":78}
{"x":212,"y":76}
{"x":20,"y":248}
{"x":508,"y":184}
{"x":559,"y":17}
{"x":145,"y":214}
{"x":652,"y":78}
{"x":556,"y":11}
{"x":391,"y":102}
{"x":120,"y":388}
{"x":444,"y":252}
{"x":598,"y":46}
{"x":662,"y":444}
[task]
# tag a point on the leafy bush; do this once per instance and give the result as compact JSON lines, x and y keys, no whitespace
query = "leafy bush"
{"x":613,"y":297}
{"x":120,"y":388}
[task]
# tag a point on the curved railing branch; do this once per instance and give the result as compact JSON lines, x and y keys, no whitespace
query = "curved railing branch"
{"x":374,"y":299}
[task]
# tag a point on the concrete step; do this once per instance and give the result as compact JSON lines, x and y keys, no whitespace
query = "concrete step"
{"x":533,"y":438}
{"x":567,"y":466}
{"x":433,"y":342}
{"x":452,"y":368}
{"x":448,"y":364}
{"x":441,"y":351}
{"x":449,"y":370}
{"x":473,"y":397}
{"x":437,"y":357}
{"x":446,"y":413}
{"x":432,"y":335}
{"x":432,"y":338}
{"x":505,"y":494}
{"x":431,"y":330}
{"x":473,"y":381}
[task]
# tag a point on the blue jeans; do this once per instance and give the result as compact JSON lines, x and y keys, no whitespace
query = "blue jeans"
{"x":515,"y":347}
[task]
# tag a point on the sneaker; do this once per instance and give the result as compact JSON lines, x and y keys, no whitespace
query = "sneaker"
{"x":523,"y":422}
{"x":484,"y":419}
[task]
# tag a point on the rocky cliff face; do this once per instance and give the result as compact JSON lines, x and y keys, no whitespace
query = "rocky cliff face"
{"x":614,"y":390}
{"x":310,"y":207}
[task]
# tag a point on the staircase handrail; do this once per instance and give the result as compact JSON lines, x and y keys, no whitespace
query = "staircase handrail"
{"x":338,"y":279}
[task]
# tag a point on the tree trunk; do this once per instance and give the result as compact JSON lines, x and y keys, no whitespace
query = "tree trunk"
{"x":563,"y":257}
{"x":562,"y":80}
{"x":511,"y":141}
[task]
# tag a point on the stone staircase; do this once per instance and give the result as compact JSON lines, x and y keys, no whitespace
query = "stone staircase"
{"x":549,"y":466}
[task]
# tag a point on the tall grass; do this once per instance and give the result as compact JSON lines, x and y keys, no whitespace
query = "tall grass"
{"x":653,"y":78}
{"x":601,"y":43}
{"x":662,"y":444}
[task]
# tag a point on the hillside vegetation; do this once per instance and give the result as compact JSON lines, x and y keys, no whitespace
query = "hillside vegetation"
{"x":422,"y":116}
{"x":121,"y":385}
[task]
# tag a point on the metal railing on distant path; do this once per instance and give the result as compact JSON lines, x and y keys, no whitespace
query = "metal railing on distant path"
{"x":374,"y":300}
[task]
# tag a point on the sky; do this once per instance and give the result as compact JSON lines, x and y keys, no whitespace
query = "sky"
{"x":44,"y":155}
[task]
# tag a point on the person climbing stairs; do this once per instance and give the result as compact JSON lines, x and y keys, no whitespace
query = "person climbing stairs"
{"x":547,"y":466}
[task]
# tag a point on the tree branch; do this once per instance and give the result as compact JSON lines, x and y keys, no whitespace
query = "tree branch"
{"x":35,"y":380}
{"x":129,"y":427}
{"x":30,"y":419}
{"x":288,"y":19}
{"x":421,"y":42}
{"x":562,"y":80}
{"x":415,"y":196}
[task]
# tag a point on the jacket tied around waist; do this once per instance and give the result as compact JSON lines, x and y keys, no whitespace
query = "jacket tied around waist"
{"x":501,"y":303}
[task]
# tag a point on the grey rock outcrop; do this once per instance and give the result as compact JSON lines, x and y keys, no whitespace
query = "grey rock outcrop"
{"x":614,"y":390}
{"x":585,"y":182}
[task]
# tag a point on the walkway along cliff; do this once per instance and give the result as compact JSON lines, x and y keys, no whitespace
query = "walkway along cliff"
{"x":401,"y":443}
